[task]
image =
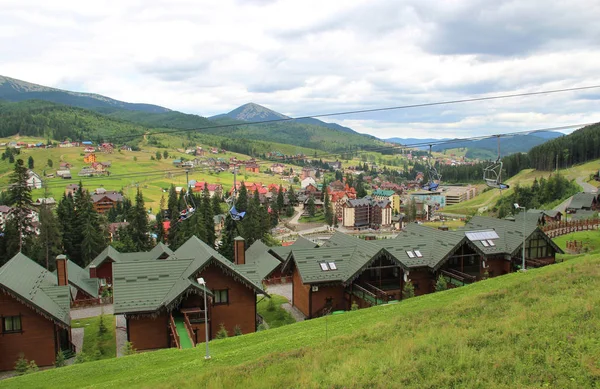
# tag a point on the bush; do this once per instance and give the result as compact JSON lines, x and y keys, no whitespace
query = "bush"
{"x":354,"y":306}
{"x":271,"y":305}
{"x":128,"y":349}
{"x":408,"y":291}
{"x":60,"y":359}
{"x":441,"y":284}
{"x":102,"y":327}
{"x":237,"y":331}
{"x":32,"y":367}
{"x":21,"y":365}
{"x":261,"y":327}
{"x":222,"y":333}
{"x":81,"y":358}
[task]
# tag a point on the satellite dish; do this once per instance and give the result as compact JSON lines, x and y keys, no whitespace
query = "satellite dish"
{"x":406,"y":277}
{"x":483,"y":264}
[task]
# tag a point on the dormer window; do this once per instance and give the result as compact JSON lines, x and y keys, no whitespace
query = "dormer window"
{"x":410,"y":254}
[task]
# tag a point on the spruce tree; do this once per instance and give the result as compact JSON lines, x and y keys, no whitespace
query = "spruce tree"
{"x":138,"y":224}
{"x":328,"y":210}
{"x":280,"y":200}
{"x":292,"y":197}
{"x":311,"y":206}
{"x":21,"y":227}
{"x":216,"y":205}
{"x":48,"y":242}
{"x":241,"y":203}
{"x":173,"y":204}
{"x":160,"y":228}
{"x":230,"y":232}
{"x":208,"y":216}
{"x":67,"y":221}
{"x":30,"y":162}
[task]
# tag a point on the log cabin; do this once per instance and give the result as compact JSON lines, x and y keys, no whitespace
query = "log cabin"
{"x":34,"y":312}
{"x":347,"y":270}
{"x":164,"y":304}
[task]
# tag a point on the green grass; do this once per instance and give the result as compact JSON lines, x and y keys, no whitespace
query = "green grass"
{"x":591,"y":239}
{"x":451,"y":224}
{"x":318,"y":218}
{"x":276,"y":317}
{"x":96,"y":346}
{"x":523,"y":330}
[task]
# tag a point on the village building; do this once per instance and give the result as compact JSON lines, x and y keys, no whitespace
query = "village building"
{"x":366,"y":213}
{"x":213,"y":189}
{"x":89,"y":158}
{"x":458,"y":194}
{"x":163,"y":302}
{"x":583,"y":202}
{"x":389,"y":195}
{"x":34,"y":312}
{"x":252,"y":167}
{"x":34,"y":181}
{"x":347,"y":270}
{"x":307,"y":181}
{"x":308,"y":172}
{"x":277,"y":168}
{"x":104,"y":200}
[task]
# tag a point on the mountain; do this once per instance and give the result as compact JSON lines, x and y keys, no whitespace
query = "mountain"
{"x":252,"y":112}
{"x":16,"y":90}
{"x":412,"y":141}
{"x":508,"y":144}
{"x":547,"y":134}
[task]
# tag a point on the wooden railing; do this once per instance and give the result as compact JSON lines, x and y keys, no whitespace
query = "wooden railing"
{"x":174,"y":333}
{"x":364,"y":294}
{"x":565,"y":227}
{"x":381,"y":295}
{"x":190,"y":331}
{"x":458,"y":275}
{"x":91,"y":302}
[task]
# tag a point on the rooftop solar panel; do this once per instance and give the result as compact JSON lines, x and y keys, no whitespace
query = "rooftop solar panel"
{"x":481,"y":235}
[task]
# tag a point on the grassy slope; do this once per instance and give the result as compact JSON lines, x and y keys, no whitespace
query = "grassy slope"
{"x":278,"y":316}
{"x":534,"y":329}
{"x":525,"y":177}
{"x":96,"y":346}
{"x":123,"y":163}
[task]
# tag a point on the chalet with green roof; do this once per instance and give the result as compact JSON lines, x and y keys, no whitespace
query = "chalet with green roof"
{"x":347,"y":269}
{"x":163,"y":302}
{"x":34,"y":312}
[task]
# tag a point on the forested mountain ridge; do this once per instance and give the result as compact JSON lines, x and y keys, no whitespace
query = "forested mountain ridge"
{"x":508,"y":144}
{"x":15,"y":90}
{"x":578,"y":147}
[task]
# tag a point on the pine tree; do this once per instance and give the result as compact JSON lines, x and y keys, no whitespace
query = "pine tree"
{"x":30,"y":162}
{"x":241,"y":203}
{"x":138,"y":224}
{"x":311,"y":206}
{"x":441,"y":284}
{"x":48,"y":243}
{"x":280,"y":200}
{"x":216,"y":205}
{"x":90,"y":235}
{"x":408,"y":291}
{"x":173,"y":204}
{"x":20,"y":228}
{"x":160,"y":228}
{"x":208,"y":216}
{"x":292,"y":198}
{"x":230,"y":232}
{"x":328,"y":209}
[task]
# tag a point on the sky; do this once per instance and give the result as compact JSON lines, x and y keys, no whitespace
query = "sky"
{"x":312,"y":57}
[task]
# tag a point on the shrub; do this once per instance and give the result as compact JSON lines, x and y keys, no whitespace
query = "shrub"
{"x":261,"y":327}
{"x":128,"y":349}
{"x":237,"y":331}
{"x":102,"y":327}
{"x":441,"y":284}
{"x":271,"y":305}
{"x":32,"y":367}
{"x":81,"y":358}
{"x":60,"y":359}
{"x":354,"y":306}
{"x":21,"y":365}
{"x":408,"y":291}
{"x":222,"y":333}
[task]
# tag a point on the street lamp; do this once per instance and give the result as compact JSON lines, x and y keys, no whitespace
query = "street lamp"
{"x":203,"y":283}
{"x":523,"y":232}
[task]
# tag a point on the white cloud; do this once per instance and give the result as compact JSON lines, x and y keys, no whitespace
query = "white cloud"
{"x":311,"y":57}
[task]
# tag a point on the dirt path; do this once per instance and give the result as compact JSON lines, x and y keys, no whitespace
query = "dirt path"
{"x":588,"y":188}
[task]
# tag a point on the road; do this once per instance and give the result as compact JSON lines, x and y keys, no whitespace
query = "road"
{"x":586,"y":187}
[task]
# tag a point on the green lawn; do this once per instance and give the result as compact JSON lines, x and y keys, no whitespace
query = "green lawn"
{"x":591,"y":239}
{"x":318,"y":218}
{"x":451,"y":224}
{"x":96,"y":346}
{"x":275,"y":316}
{"x":523,"y":330}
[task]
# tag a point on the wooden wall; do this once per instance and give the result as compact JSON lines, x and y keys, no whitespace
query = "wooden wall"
{"x":37,"y":341}
{"x":241,"y":309}
{"x":300,"y":293}
{"x":319,"y":298}
{"x":146,"y":333}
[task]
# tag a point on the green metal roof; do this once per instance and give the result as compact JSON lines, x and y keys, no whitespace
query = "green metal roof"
{"x":301,"y":243}
{"x":108,"y":253}
{"x":582,"y":200}
{"x":259,"y":255}
{"x":112,"y":253}
{"x":80,"y":278}
{"x":35,"y":286}
{"x":151,"y":286}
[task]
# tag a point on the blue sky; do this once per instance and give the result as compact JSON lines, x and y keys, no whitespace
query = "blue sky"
{"x":310,"y":57}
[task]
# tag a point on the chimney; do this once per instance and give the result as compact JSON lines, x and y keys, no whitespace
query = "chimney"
{"x":93,"y":271}
{"x":61,"y":270}
{"x":239,"y":247}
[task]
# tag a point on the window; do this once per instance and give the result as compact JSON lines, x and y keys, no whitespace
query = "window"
{"x":221,"y":296}
{"x":410,"y":254}
{"x":485,"y":243}
{"x":324,"y":266}
{"x":491,"y":242}
{"x":418,"y":253}
{"x":11,"y":324}
{"x":332,"y":266}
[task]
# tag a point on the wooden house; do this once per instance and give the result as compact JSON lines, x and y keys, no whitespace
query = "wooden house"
{"x":34,"y":312}
{"x":164,"y":305}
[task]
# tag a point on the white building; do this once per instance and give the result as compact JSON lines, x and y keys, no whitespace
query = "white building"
{"x":34,"y":181}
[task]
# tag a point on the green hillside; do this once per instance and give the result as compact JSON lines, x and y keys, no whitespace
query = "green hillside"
{"x":523,"y":330}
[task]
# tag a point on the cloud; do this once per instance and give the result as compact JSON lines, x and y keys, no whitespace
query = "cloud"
{"x":312,"y":57}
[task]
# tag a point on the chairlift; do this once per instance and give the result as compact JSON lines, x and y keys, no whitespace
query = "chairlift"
{"x":492,"y":174}
{"x":188,"y":198}
{"x":434,"y":177}
{"x":233,"y":212}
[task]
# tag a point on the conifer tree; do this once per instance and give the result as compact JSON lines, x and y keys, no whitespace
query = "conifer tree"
{"x":19,"y":227}
{"x":280,"y":199}
{"x":241,"y":203}
{"x":30,"y":162}
{"x":328,"y":209}
{"x":230,"y":232}
{"x":160,"y":228}
{"x":208,"y":216}
{"x":216,"y":205}
{"x":292,"y":198}
{"x":173,"y":204}
{"x":48,"y":243}
{"x":311,"y":206}
{"x":138,"y":224}
{"x":66,"y":219}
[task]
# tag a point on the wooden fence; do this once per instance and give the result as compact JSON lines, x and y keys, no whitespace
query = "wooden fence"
{"x":566,"y":227}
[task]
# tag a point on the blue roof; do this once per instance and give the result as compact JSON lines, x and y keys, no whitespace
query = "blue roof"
{"x":86,"y":142}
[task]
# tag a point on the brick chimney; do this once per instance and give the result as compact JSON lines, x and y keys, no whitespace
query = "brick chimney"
{"x":93,"y":271}
{"x":239,"y":249}
{"x":61,"y":270}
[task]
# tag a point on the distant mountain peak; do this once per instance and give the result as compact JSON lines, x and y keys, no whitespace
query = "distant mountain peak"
{"x":15,"y":90}
{"x":252,"y":112}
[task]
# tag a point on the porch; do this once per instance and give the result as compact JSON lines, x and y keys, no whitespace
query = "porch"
{"x":379,"y":283}
{"x":187,"y":327}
